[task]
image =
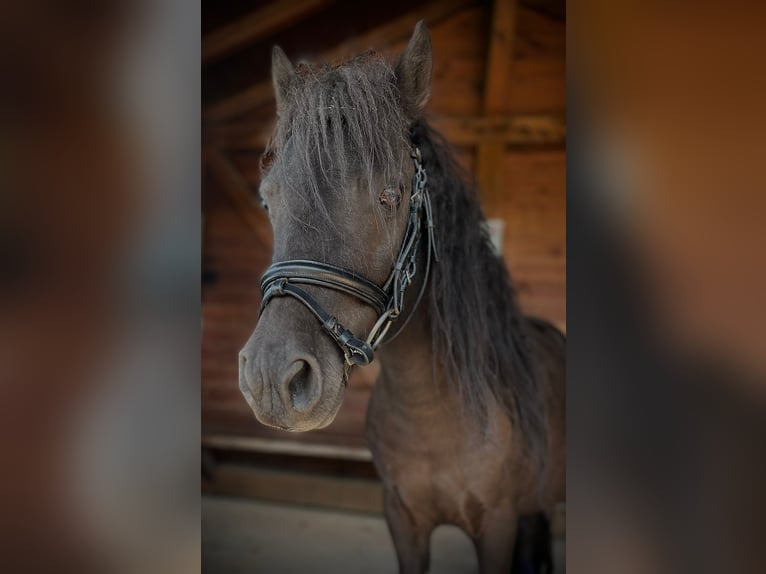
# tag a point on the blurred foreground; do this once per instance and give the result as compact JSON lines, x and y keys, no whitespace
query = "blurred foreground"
{"x":666,"y":288}
{"x":99,"y":286}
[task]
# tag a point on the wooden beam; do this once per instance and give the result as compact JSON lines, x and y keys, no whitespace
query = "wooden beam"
{"x":267,"y":20}
{"x":490,"y":165}
{"x":381,"y":37}
{"x":243,"y":136}
{"x":490,"y":168}
{"x":519,"y":131}
{"x":336,"y":492}
{"x":236,"y":188}
{"x":556,"y":9}
{"x":497,"y":76}
{"x":244,"y":101}
{"x":287,"y":447}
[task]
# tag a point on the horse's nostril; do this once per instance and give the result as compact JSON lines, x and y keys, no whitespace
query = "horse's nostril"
{"x":301,"y":387}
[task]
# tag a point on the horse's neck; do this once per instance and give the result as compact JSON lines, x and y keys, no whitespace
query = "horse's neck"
{"x":410,"y":380}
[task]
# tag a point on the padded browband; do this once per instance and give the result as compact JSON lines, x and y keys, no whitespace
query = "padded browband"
{"x":307,"y":272}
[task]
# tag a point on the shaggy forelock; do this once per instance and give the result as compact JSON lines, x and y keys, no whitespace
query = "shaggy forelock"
{"x":340,"y":125}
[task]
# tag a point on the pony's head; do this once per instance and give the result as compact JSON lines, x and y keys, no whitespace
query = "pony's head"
{"x":337,"y":184}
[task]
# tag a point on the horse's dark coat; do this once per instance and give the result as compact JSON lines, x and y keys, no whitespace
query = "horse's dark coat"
{"x":466,"y":421}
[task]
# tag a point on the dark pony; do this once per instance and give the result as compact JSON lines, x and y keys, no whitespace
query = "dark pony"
{"x":347,"y":121}
{"x":465,"y":421}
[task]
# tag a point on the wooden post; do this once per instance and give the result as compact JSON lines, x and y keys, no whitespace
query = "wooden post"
{"x":490,"y":169}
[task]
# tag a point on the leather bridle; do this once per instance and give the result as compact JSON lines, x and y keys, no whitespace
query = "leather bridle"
{"x":283,"y":279}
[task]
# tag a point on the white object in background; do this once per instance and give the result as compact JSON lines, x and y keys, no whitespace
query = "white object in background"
{"x":496,"y":229}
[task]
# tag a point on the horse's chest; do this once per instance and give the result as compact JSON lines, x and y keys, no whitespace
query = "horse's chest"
{"x":439,"y":488}
{"x":443,"y":481}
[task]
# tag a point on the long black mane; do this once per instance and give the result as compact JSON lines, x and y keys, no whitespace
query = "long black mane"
{"x":479,"y":332}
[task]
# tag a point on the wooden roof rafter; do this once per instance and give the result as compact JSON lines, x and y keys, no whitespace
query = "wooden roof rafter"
{"x":497,"y":79}
{"x":381,"y":37}
{"x":231,"y":181}
{"x":257,"y":25}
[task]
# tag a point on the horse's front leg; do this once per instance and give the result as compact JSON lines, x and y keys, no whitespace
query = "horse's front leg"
{"x":532,"y":552}
{"x":411,"y":535}
{"x":494,"y":545}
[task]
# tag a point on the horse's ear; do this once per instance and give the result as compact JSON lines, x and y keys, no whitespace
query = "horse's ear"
{"x":282,"y":73}
{"x":413,"y":72}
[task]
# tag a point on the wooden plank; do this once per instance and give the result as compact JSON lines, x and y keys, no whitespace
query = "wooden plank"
{"x":534,"y":209}
{"x":238,"y":191}
{"x":489,"y":157}
{"x":257,"y":95}
{"x":538,"y":37}
{"x":276,"y":446}
{"x":499,"y":57}
{"x":521,"y":130}
{"x":380,"y":37}
{"x":490,"y":176}
{"x":259,"y":24}
{"x":458,"y":51}
{"x":538,"y":85}
{"x":343,"y":493}
{"x":552,"y":8}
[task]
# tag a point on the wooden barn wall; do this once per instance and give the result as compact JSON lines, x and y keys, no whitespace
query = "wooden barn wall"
{"x":533,"y":207}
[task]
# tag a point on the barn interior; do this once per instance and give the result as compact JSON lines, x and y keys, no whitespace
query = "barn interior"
{"x":499,"y":97}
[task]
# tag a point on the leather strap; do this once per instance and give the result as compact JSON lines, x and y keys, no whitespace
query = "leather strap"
{"x":326,"y":275}
{"x":356,"y":351}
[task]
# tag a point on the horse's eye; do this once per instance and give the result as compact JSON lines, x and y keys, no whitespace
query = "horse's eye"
{"x":267,"y":159}
{"x":391,"y":197}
